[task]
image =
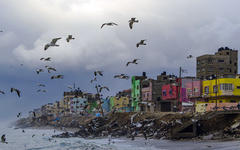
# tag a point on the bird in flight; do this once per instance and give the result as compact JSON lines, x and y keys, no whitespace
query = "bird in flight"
{"x":69,"y":38}
{"x":39,"y":70}
{"x":51,"y":68}
{"x":95,"y":79}
{"x":109,"y":24}
{"x":46,"y":59}
{"x":1,"y":30}
{"x":102,"y":87}
{"x":52,"y":43}
{"x":189,"y":56}
{"x":132,"y":62}
{"x":15,"y":90}
{"x":131,"y":21}
{"x":42,"y":85}
{"x":98,"y":72}
{"x":3,"y":139}
{"x":122,"y":76}
{"x":1,"y":92}
{"x":57,"y":77}
{"x":18,"y":115}
{"x":141,"y":43}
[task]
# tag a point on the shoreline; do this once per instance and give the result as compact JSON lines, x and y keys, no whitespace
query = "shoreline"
{"x":171,"y":126}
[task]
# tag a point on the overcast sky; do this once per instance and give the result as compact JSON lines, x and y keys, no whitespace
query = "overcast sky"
{"x":173,"y":29}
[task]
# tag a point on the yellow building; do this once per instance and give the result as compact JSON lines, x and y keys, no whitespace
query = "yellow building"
{"x":121,"y":103}
{"x":221,"y":93}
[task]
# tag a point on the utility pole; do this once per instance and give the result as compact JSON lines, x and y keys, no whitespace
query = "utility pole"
{"x":179,"y":89}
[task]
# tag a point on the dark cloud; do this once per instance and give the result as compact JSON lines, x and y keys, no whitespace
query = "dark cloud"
{"x":173,"y":29}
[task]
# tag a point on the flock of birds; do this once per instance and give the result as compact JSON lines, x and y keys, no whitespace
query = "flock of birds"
{"x":99,"y":88}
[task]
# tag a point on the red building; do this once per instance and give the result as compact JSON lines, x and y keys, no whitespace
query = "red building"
{"x":170,"y":92}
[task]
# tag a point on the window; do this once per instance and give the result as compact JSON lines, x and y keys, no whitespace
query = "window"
{"x":220,"y":101}
{"x":195,"y":89}
{"x":238,"y":87}
{"x":232,"y":101}
{"x":215,"y":89}
{"x":221,"y":68}
{"x":164,"y":93}
{"x":170,"y":92}
{"x":206,"y":89}
{"x":220,"y":60}
{"x":227,"y":53}
{"x":226,"y":87}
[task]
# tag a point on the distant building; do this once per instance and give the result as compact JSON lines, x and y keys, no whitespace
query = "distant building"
{"x":219,"y":94}
{"x":152,"y":92}
{"x":136,"y":94}
{"x":222,"y":63}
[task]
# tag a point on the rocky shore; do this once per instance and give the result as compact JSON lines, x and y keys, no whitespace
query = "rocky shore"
{"x":208,"y":126}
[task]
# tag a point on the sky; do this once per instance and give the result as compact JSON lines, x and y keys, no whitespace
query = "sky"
{"x":173,"y":29}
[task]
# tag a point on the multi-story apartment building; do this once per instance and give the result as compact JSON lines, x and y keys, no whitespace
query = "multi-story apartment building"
{"x":152,"y":92}
{"x":219,"y":94}
{"x":222,"y":63}
{"x":136,"y":93}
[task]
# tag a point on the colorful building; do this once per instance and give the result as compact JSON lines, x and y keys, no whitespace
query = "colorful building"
{"x":218,"y":94}
{"x":78,"y":105}
{"x":136,"y":93}
{"x":106,"y":105}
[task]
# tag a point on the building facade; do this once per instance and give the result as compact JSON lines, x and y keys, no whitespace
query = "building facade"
{"x":219,"y":94}
{"x":222,"y":63}
{"x":136,"y":94}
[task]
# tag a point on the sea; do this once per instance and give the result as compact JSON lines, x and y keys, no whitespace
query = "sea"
{"x":40,"y":139}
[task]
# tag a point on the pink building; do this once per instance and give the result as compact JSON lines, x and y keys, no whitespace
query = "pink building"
{"x":190,"y":88}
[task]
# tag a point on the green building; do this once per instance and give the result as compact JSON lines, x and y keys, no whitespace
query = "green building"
{"x":136,"y":93}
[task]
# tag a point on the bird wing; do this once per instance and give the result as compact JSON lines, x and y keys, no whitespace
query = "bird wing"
{"x":41,"y":58}
{"x":130,"y":24}
{"x":100,"y":73}
{"x":114,"y":23}
{"x":55,"y":40}
{"x":70,"y":36}
{"x":103,"y":25}
{"x":2,"y":92}
{"x":18,"y":92}
{"x":95,"y":73}
{"x":46,"y":47}
{"x":50,"y":68}
{"x":137,"y":45}
{"x":128,"y":63}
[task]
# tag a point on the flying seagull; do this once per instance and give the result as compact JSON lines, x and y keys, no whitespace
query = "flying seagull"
{"x":1,"y":92}
{"x":57,"y":77}
{"x":132,"y":62}
{"x":69,"y":38}
{"x":51,"y":68}
{"x":98,"y":72}
{"x":16,"y":90}
{"x":109,"y":24}
{"x":70,"y":87}
{"x":3,"y":139}
{"x":18,"y":115}
{"x":189,"y":56}
{"x":52,"y":43}
{"x":95,"y":79}
{"x":141,"y":43}
{"x":39,"y":70}
{"x":41,"y":85}
{"x":131,"y":21}
{"x":122,"y":76}
{"x":103,"y":87}
{"x":47,"y":59}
